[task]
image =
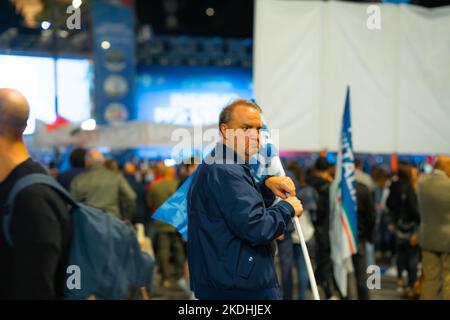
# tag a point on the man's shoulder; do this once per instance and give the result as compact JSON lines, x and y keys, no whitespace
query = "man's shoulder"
{"x":434,"y":181}
{"x":41,"y":199}
{"x":95,"y":174}
{"x":224,"y":168}
{"x":224,"y":171}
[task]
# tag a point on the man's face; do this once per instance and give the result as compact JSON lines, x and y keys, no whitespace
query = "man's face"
{"x":243,"y":131}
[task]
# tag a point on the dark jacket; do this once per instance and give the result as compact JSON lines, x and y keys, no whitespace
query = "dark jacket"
{"x":35,"y":267}
{"x":231,"y":229}
{"x":141,"y":213}
{"x":365,"y":212}
{"x":66,"y":178}
{"x":322,"y":217}
{"x":105,"y":189}
{"x":403,"y":209}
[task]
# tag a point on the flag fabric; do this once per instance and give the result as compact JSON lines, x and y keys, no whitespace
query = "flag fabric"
{"x":174,"y":210}
{"x":343,"y":223}
{"x":59,"y":122}
{"x":266,"y":162}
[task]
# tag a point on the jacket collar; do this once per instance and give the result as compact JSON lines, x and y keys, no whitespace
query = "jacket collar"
{"x":222,"y":154}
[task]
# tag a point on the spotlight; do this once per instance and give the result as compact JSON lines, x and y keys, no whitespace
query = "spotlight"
{"x":89,"y":125}
{"x":45,"y":25}
{"x":106,"y":45}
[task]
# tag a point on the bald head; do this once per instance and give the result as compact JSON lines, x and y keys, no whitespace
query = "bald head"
{"x":129,"y":168}
{"x":94,"y":157}
{"x":14,"y":111}
{"x":169,"y":173}
{"x":443,"y":163}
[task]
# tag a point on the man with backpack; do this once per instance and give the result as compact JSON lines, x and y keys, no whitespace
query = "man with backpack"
{"x":43,"y":240}
{"x":35,"y":267}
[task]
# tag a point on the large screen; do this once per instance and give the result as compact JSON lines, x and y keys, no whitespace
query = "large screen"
{"x":186,"y":95}
{"x":34,"y":77}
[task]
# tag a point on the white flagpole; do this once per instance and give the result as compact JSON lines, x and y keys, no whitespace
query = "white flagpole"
{"x":312,"y":279}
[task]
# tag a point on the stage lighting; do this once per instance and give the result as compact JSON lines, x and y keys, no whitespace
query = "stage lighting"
{"x":89,"y":125}
{"x":169,"y":162}
{"x":76,"y":3}
{"x":106,"y":45}
{"x":45,"y":25}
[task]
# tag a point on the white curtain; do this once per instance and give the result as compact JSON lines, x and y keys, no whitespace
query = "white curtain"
{"x":307,"y":52}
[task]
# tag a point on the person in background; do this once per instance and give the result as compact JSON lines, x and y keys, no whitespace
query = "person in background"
{"x":77,"y":164}
{"x":286,"y":250}
{"x":384,"y":239}
{"x":103,"y":188}
{"x":405,"y":220}
{"x":366,"y":221}
{"x":40,"y":228}
{"x":158,"y":174}
{"x":309,"y":198}
{"x":361,"y":176}
{"x":168,"y":240}
{"x":112,"y":165}
{"x":141,"y":211}
{"x":366,"y":179}
{"x":434,"y":204}
{"x":187,"y":169}
{"x":321,"y":182}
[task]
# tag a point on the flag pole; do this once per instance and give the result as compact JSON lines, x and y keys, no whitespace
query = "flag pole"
{"x":312,"y":279}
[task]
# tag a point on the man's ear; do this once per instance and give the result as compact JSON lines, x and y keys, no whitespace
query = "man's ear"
{"x":223,"y":129}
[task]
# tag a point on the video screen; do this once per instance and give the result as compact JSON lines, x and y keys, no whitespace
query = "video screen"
{"x":186,"y":95}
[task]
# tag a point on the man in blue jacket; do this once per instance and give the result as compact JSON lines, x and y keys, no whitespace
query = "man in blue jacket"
{"x":232,"y":224}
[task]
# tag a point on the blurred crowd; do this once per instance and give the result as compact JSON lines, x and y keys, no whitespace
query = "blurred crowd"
{"x":402,"y":218}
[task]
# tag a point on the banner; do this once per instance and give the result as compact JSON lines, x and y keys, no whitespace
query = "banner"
{"x":114,"y":52}
{"x":305,"y":52}
{"x":343,"y":223}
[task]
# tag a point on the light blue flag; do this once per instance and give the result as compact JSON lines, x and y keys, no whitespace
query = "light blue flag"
{"x":174,"y":210}
{"x":266,"y":162}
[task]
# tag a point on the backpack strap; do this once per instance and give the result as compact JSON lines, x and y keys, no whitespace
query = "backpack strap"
{"x":24,"y":182}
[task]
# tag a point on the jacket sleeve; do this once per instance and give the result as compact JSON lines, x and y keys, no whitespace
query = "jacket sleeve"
{"x":268,"y":195}
{"x":412,"y":205}
{"x":128,"y":198}
{"x":243,"y":209}
{"x":76,"y":191}
{"x":37,"y":237}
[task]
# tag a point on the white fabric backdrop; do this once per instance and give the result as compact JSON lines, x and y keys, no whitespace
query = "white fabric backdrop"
{"x":307,"y":52}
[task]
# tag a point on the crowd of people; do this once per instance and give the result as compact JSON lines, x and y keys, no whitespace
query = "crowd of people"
{"x":389,"y":214}
{"x":404,"y":215}
{"x":403,"y":222}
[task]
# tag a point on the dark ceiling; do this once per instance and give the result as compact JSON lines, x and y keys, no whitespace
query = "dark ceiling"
{"x":232,"y":18}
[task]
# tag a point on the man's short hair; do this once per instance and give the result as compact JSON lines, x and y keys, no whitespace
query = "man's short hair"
{"x":12,"y":124}
{"x":227,"y":112}
{"x":77,"y":157}
{"x":321,"y":164}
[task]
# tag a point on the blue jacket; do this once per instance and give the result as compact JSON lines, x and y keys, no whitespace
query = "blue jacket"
{"x":231,"y":231}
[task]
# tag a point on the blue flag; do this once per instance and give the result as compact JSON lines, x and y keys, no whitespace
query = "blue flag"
{"x":174,"y":210}
{"x":266,"y":162}
{"x":343,"y":224}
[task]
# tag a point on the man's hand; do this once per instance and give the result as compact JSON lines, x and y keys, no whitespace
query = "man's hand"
{"x":281,"y":238}
{"x":280,"y":186}
{"x":296,"y":204}
{"x":391,"y":228}
{"x":413,"y":240}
